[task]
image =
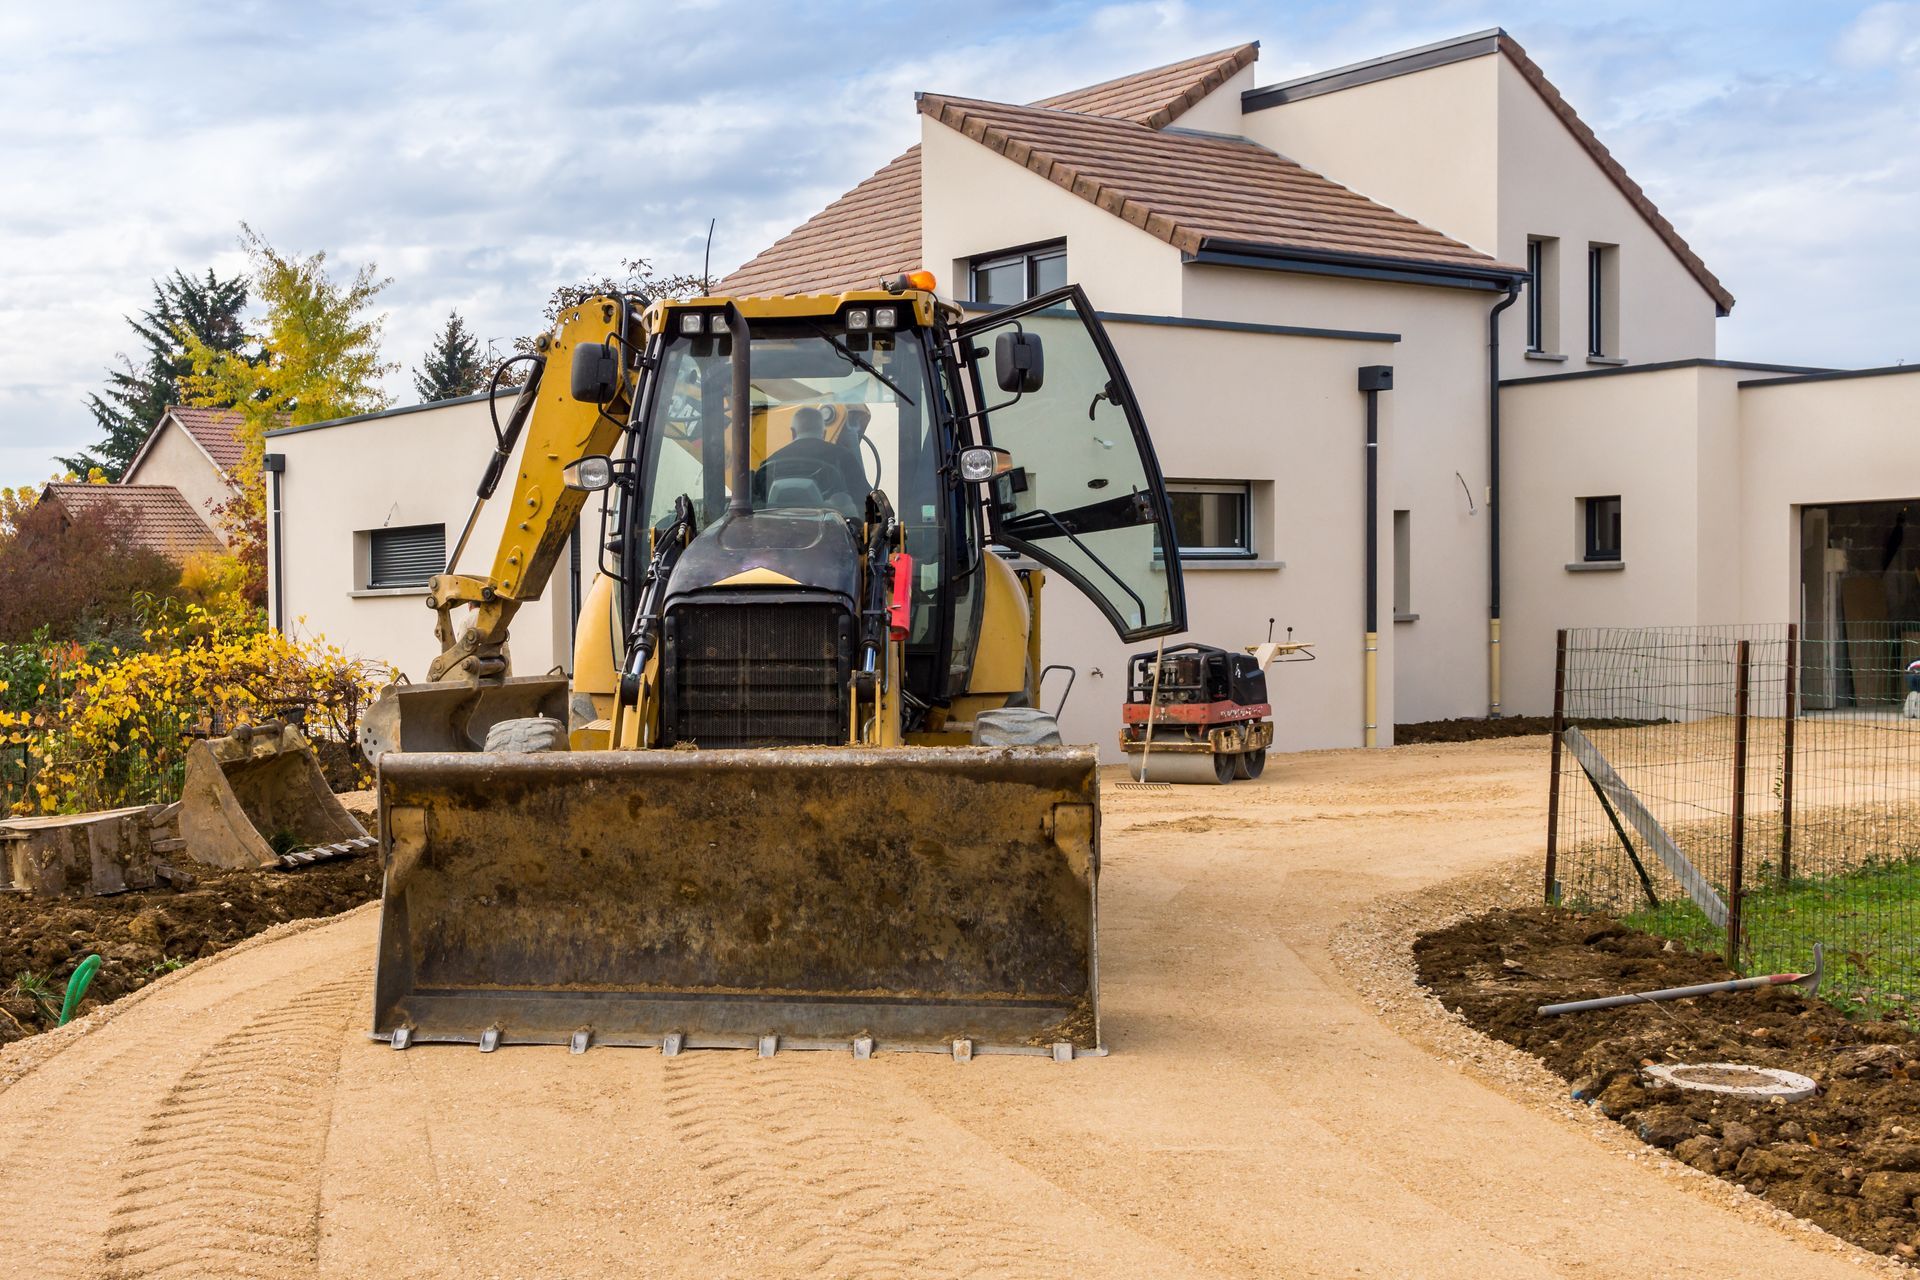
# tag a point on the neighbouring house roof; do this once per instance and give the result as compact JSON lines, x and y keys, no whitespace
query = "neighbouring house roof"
{"x":1199,"y":191}
{"x":215,"y":431}
{"x":1478,"y":45}
{"x":873,"y":231}
{"x":156,"y":515}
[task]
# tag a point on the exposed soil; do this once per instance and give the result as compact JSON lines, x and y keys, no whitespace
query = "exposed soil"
{"x":1480,"y":729}
{"x":1848,"y":1158}
{"x":143,"y":934}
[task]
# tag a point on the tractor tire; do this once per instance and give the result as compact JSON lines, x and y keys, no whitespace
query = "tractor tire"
{"x":1250,"y":764}
{"x":527,"y":735}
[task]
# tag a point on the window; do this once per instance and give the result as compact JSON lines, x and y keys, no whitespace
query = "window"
{"x":1603,"y":528}
{"x":1403,"y":566}
{"x":1212,"y":518}
{"x":1602,"y":301}
{"x":1543,"y":334}
{"x":1020,"y":274}
{"x":405,"y":557}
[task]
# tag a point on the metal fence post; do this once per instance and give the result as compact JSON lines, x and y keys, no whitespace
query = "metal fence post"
{"x":1791,"y":717}
{"x":1553,"y":782}
{"x":1741,"y":659}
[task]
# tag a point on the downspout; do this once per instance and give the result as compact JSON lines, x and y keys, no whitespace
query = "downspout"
{"x":1493,"y":499}
{"x":276,"y":466}
{"x":1374,"y":378}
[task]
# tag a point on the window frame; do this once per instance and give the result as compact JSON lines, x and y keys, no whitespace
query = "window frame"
{"x":1602,"y":306}
{"x":1403,"y":565}
{"x":1027,"y":257}
{"x":371,"y":580}
{"x":1594,"y":551}
{"x":1536,"y":332}
{"x":1244,"y":489}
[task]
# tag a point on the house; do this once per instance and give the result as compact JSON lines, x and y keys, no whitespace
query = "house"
{"x":362,"y":511}
{"x":194,"y":451}
{"x":156,"y":516}
{"x":1431,"y":246}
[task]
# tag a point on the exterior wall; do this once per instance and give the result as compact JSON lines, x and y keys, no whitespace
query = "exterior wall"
{"x":1219,"y":111}
{"x":1422,"y":143}
{"x":1284,"y":413}
{"x":1434,"y":465}
{"x":175,"y":459}
{"x":390,"y":471}
{"x":1550,"y":186}
{"x":1592,"y":437}
{"x":975,"y":202}
{"x":1808,"y":444}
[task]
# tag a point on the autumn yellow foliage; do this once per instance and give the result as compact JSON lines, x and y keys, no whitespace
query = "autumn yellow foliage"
{"x":112,"y":730}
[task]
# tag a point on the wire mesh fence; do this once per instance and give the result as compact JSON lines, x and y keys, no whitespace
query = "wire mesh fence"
{"x":1748,"y":791}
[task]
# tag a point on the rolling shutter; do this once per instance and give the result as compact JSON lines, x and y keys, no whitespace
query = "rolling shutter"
{"x":407,"y":557}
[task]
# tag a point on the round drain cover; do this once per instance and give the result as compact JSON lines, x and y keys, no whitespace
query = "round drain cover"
{"x":1735,"y":1078}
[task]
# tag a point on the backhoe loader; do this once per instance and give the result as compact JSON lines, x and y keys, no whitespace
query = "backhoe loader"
{"x":796,"y":792}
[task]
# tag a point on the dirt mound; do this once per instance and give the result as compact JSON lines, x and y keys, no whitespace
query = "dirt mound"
{"x":1847,"y":1158}
{"x":143,"y":934}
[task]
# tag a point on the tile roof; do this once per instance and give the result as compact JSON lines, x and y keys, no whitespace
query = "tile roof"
{"x":214,"y":430}
{"x":873,"y":231}
{"x":156,"y":515}
{"x":1189,"y":188}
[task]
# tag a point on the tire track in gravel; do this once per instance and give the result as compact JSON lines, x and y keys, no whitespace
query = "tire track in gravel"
{"x":68,"y":1128}
{"x":844,"y":1174}
{"x":224,"y":1180}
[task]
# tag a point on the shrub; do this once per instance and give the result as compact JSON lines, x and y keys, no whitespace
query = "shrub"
{"x":113,"y":730}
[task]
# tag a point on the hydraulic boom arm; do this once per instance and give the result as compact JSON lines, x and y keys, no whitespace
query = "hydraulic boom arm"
{"x":559,"y":430}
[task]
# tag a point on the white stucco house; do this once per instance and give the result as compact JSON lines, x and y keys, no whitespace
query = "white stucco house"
{"x":1559,"y":445}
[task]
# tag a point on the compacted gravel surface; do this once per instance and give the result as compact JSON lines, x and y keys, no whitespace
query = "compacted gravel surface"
{"x":1282,"y":1099}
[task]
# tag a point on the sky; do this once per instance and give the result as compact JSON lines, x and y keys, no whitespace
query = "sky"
{"x":482,"y":153}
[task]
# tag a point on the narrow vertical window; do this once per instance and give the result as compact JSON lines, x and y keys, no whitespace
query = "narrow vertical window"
{"x":1403,"y":566}
{"x":1598,"y":305}
{"x":1536,"y":334}
{"x":1603,"y":529}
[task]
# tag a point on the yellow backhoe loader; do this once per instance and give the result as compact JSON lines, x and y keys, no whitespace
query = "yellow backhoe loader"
{"x":797,"y":793}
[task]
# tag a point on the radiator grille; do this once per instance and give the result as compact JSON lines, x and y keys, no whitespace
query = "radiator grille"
{"x":758,"y":675}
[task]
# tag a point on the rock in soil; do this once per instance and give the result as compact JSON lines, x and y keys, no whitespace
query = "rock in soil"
{"x":146,"y":933}
{"x":1844,"y":1158}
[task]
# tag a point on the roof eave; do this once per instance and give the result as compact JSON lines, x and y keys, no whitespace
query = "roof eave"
{"x":1490,"y":277}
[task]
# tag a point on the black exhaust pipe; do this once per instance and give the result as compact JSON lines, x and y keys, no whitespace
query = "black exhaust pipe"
{"x":740,"y":429}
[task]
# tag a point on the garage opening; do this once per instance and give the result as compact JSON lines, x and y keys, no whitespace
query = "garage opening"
{"x":1859,"y":602}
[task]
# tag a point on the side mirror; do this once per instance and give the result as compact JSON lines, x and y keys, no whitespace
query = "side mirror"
{"x":979,"y":465}
{"x":1018,"y":365}
{"x":596,"y":372}
{"x":591,"y":473}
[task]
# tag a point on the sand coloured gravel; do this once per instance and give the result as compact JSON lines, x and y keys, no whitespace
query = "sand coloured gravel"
{"x":1280,"y":1101}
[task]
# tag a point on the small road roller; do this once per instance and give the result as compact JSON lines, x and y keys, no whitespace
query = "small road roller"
{"x":1199,"y":714}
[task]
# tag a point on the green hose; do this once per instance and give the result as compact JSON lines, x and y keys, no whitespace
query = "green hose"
{"x":77,"y":987}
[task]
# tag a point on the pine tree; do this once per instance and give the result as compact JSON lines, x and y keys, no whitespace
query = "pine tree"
{"x":452,"y":367}
{"x":208,"y":309}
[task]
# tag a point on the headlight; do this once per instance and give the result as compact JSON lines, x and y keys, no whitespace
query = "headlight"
{"x":979,"y":465}
{"x":885,"y":317}
{"x":857,"y":321}
{"x":691,"y":322}
{"x":591,"y":473}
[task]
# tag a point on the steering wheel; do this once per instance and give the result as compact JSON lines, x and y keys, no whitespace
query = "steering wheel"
{"x":873,"y":449}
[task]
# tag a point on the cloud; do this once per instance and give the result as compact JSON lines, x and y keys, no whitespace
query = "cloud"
{"x":480,"y":157}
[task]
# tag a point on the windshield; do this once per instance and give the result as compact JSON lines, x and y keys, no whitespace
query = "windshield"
{"x":825,"y":431}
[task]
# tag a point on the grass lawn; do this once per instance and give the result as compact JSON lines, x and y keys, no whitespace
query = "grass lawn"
{"x":1867,"y":920}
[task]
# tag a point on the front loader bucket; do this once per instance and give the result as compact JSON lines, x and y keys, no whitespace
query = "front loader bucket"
{"x":257,"y":798}
{"x":817,"y":897}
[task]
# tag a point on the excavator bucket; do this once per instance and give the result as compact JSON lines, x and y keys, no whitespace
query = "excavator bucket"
{"x":257,"y":798}
{"x":808,"y":897}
